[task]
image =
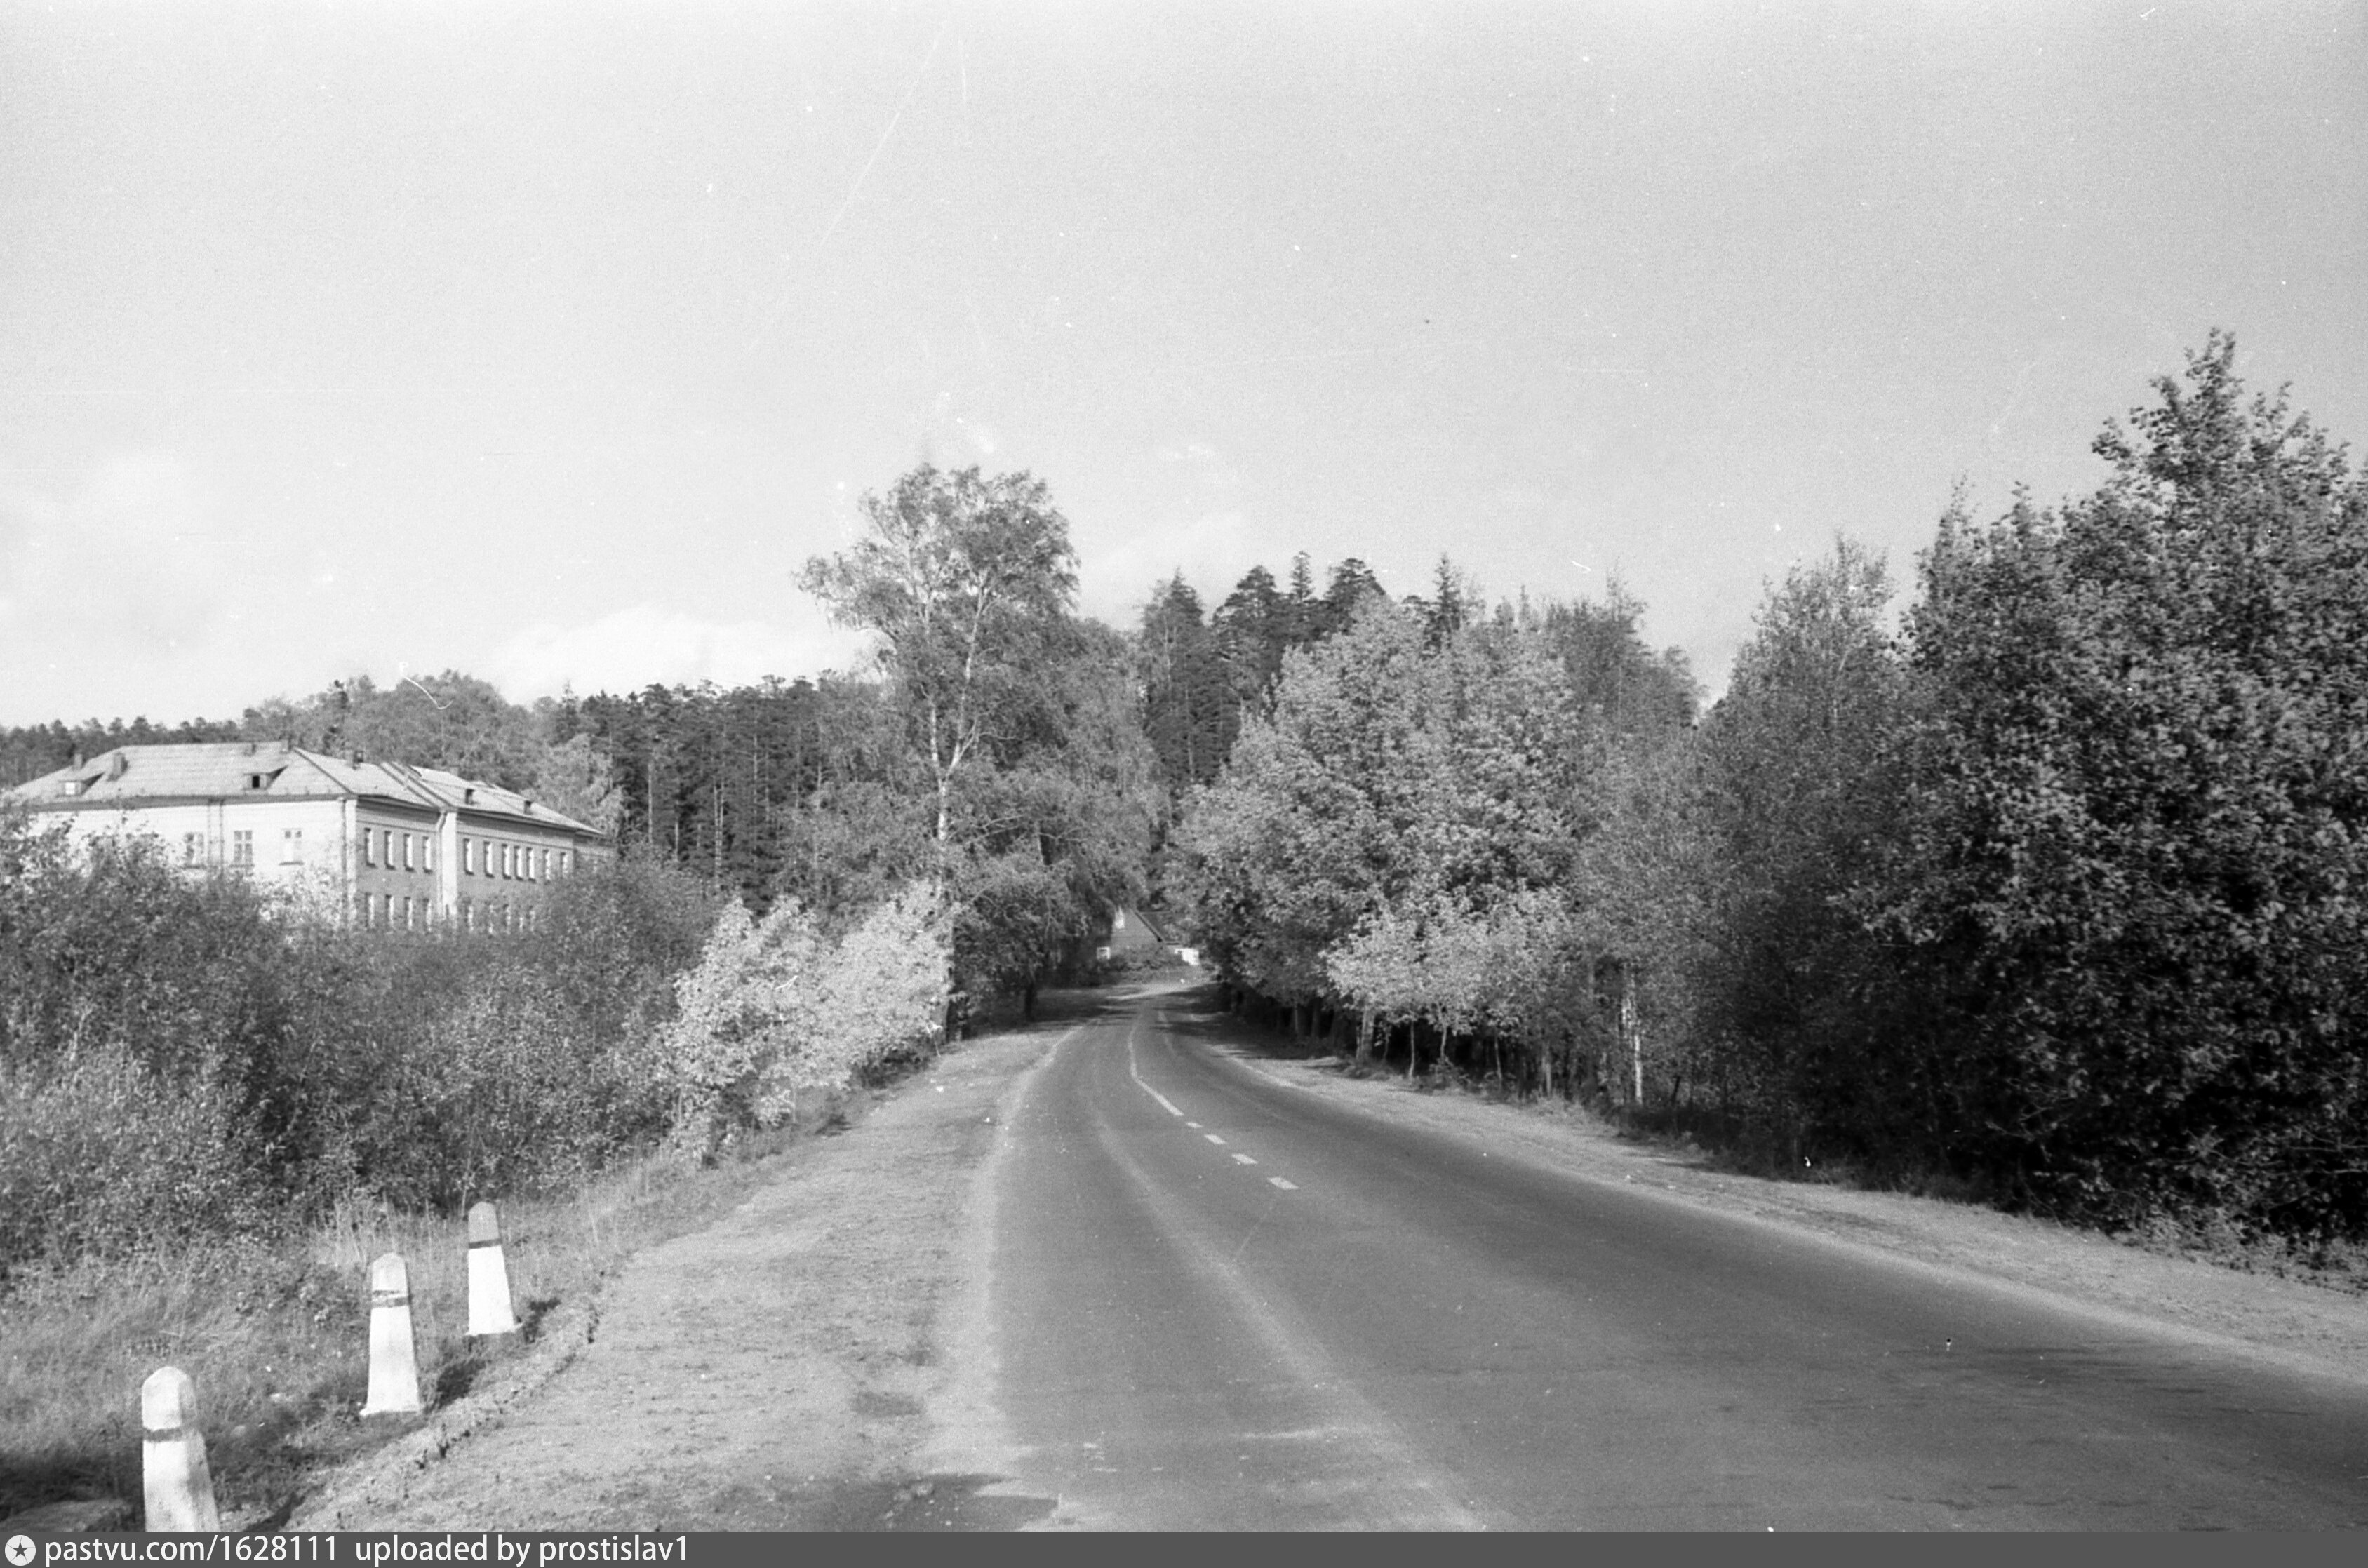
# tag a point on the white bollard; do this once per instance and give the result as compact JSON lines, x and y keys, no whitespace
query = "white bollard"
{"x":489,"y":1277}
{"x":393,"y":1367}
{"x":180,"y":1487}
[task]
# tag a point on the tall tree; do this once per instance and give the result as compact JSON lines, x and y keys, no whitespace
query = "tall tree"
{"x":2141,"y":826}
{"x":960,"y":576}
{"x":1799,"y":799}
{"x":1183,"y":688}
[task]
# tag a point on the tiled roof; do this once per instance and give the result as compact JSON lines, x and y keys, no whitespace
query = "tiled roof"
{"x":129,"y":776}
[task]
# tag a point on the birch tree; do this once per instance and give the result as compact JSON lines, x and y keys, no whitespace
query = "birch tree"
{"x":960,"y":576}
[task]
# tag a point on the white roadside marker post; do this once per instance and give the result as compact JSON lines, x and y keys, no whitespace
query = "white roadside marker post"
{"x":393,"y":1364}
{"x":489,"y":1275}
{"x":179,"y":1486}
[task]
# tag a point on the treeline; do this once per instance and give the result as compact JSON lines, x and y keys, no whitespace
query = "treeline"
{"x":1201,"y":675}
{"x":2057,"y":890}
{"x":28,"y":751}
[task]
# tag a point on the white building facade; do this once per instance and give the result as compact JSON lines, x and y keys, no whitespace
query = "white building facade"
{"x":383,"y":844}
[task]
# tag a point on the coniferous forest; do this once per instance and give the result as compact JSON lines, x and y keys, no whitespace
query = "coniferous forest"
{"x":2033,"y":868}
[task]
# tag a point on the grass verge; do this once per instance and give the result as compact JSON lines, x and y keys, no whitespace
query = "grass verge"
{"x":276,"y":1334}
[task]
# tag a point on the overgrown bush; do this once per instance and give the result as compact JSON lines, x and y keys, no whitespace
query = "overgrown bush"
{"x":99,"y":1156}
{"x":181,"y":1055}
{"x":774,"y":1012}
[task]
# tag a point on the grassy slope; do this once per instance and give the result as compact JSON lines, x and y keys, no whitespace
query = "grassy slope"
{"x":275,"y":1335}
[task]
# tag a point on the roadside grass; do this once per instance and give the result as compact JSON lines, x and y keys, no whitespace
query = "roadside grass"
{"x":274,"y":1333}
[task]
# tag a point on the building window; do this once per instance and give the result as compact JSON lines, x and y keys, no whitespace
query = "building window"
{"x":468,"y":857}
{"x":509,"y":860}
{"x":242,"y":846}
{"x":546,"y":865}
{"x":407,"y":857}
{"x":291,"y":846}
{"x":426,"y":853}
{"x":369,"y":841}
{"x":406,"y":911}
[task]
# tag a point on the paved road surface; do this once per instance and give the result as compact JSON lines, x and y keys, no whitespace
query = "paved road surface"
{"x":1220,"y":1302}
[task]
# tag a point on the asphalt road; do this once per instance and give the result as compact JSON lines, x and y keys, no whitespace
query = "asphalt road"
{"x":1218,"y":1302}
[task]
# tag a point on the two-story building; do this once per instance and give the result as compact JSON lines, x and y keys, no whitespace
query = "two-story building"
{"x":387,"y":844}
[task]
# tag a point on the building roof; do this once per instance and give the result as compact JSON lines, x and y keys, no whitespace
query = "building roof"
{"x":226,"y":770}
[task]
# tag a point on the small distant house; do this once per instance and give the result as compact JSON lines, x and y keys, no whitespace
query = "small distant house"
{"x":1127,"y":931}
{"x":391,"y":846}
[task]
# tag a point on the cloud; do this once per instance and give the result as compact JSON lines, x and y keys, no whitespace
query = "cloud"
{"x":642,"y":645}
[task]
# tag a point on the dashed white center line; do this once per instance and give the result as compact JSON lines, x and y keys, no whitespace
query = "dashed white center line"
{"x":1212,"y":1138}
{"x":1192,"y":1124}
{"x":1286,"y":1186}
{"x":1243,"y":1160}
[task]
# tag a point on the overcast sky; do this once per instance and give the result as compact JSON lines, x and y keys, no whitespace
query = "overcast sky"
{"x":545,"y":342}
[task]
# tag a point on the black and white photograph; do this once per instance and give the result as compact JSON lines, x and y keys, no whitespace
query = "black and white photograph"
{"x":1184,"y":765}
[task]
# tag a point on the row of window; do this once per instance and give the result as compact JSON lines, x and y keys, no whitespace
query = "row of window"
{"x":519,"y":862}
{"x":242,"y":846}
{"x":379,"y":849}
{"x":390,"y":912}
{"x":378,"y":909}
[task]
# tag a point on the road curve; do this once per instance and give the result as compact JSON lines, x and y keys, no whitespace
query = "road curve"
{"x":1218,"y":1302}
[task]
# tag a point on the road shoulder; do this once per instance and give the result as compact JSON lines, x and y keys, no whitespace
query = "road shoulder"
{"x":2306,"y":1328}
{"x":776,"y":1371}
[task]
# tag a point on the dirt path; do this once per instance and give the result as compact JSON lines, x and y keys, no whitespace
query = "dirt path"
{"x":769,"y":1373}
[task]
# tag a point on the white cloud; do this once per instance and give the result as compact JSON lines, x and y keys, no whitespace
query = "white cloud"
{"x":634,"y":647}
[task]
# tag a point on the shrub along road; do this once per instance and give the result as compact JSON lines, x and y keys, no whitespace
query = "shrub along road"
{"x":1114,"y":1273}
